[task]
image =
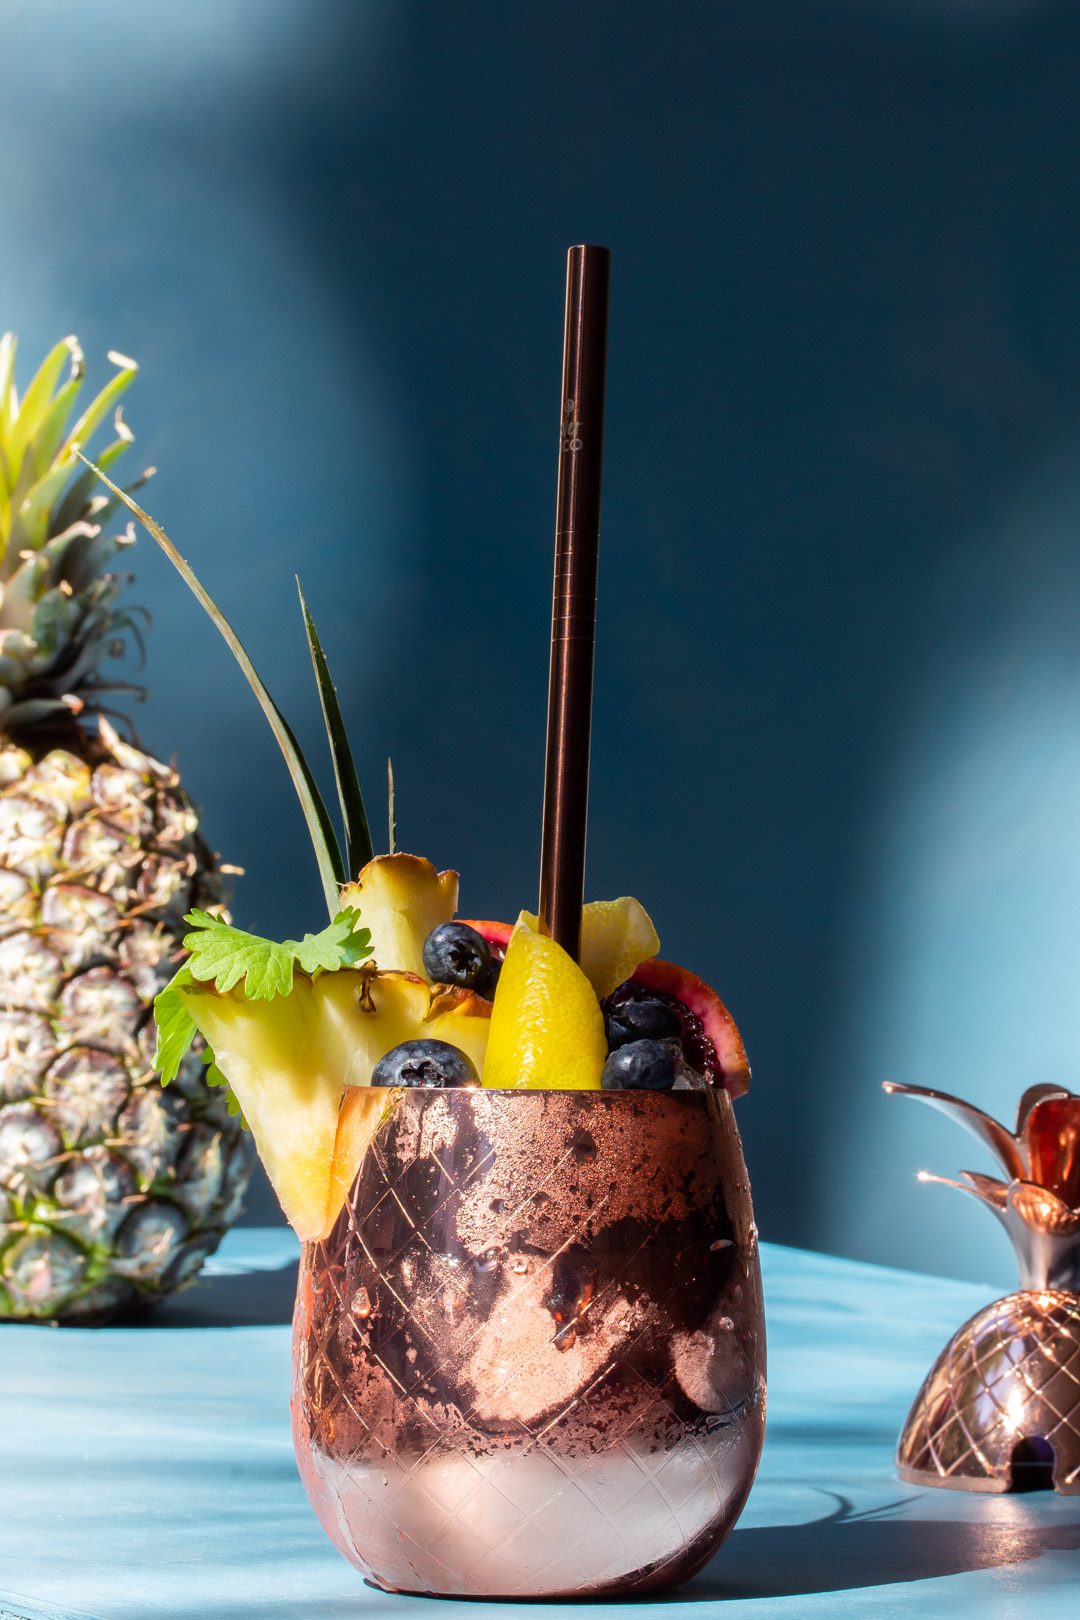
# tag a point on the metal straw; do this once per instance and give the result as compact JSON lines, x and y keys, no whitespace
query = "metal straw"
{"x":573,"y":612}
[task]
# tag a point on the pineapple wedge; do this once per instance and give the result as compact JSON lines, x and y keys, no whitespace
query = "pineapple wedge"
{"x":287,"y":1077}
{"x":363,"y":1110}
{"x":292,"y":1060}
{"x":363,"y":1015}
{"x":401,"y":898}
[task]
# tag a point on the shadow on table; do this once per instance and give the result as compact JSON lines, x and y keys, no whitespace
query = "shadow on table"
{"x":231,"y":1299}
{"x":846,"y":1550}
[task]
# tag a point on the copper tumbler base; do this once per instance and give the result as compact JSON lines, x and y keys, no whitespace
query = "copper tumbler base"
{"x":529,"y":1359}
{"x":1003,"y":1396}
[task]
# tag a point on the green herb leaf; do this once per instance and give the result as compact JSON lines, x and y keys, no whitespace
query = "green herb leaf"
{"x":320,"y":828}
{"x":358,"y":846}
{"x":175,"y":1026}
{"x":340,"y":945}
{"x":226,"y":955}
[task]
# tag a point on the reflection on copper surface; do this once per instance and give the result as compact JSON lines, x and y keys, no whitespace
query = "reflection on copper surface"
{"x":1008,"y":1377}
{"x":1006,"y":1388}
{"x":529,"y":1359}
{"x":1039,"y":1205}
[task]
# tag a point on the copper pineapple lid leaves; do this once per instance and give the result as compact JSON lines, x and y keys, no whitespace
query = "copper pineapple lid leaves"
{"x":1031,"y":1097}
{"x":1039,"y":1202}
{"x":1001,"y":1142}
{"x":1052,"y":1140}
{"x":1036,"y":1206}
{"x":988,"y":1188}
{"x":1041,"y":1209}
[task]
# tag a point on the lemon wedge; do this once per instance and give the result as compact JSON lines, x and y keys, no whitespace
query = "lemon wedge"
{"x":616,"y":937}
{"x":547,"y":1030}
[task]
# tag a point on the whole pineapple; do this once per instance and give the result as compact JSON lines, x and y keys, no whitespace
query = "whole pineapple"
{"x":112,"y":1191}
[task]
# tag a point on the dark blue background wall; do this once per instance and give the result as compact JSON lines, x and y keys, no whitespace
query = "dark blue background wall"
{"x":838,"y":689}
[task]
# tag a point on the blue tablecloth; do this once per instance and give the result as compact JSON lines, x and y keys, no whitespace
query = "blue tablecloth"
{"x":148,"y":1472}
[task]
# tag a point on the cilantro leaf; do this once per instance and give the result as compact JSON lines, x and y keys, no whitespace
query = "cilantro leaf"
{"x":175,"y":1026}
{"x":226,"y":955}
{"x":341,"y":944}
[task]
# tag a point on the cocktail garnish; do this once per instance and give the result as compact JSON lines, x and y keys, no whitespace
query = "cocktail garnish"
{"x":224,"y":955}
{"x":333,"y":870}
{"x":358,"y":846}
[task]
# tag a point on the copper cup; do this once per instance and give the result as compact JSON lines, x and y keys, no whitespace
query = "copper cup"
{"x":529,"y":1361}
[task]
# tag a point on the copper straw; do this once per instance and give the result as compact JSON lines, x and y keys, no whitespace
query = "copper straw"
{"x":573,"y":610}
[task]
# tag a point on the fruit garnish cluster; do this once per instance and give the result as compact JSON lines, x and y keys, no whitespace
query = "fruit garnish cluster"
{"x":310,"y":1035}
{"x":315,"y":1037}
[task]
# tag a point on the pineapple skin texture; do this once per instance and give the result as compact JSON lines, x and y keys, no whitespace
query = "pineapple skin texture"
{"x":113,"y":1191}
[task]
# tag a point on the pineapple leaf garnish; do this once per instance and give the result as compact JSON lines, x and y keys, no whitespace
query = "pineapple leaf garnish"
{"x":223,"y":955}
{"x":391,"y":807}
{"x":332,"y":870}
{"x":358,"y":846}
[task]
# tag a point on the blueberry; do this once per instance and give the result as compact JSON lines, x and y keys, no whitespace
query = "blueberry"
{"x":641,"y":1021}
{"x":424,"y":1063}
{"x":490,"y":982}
{"x":640,"y":1066}
{"x":454,"y":953}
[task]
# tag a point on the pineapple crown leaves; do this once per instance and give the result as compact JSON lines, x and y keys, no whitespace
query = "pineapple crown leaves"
{"x":58,"y":620}
{"x":336,"y":863}
{"x":225,"y":957}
